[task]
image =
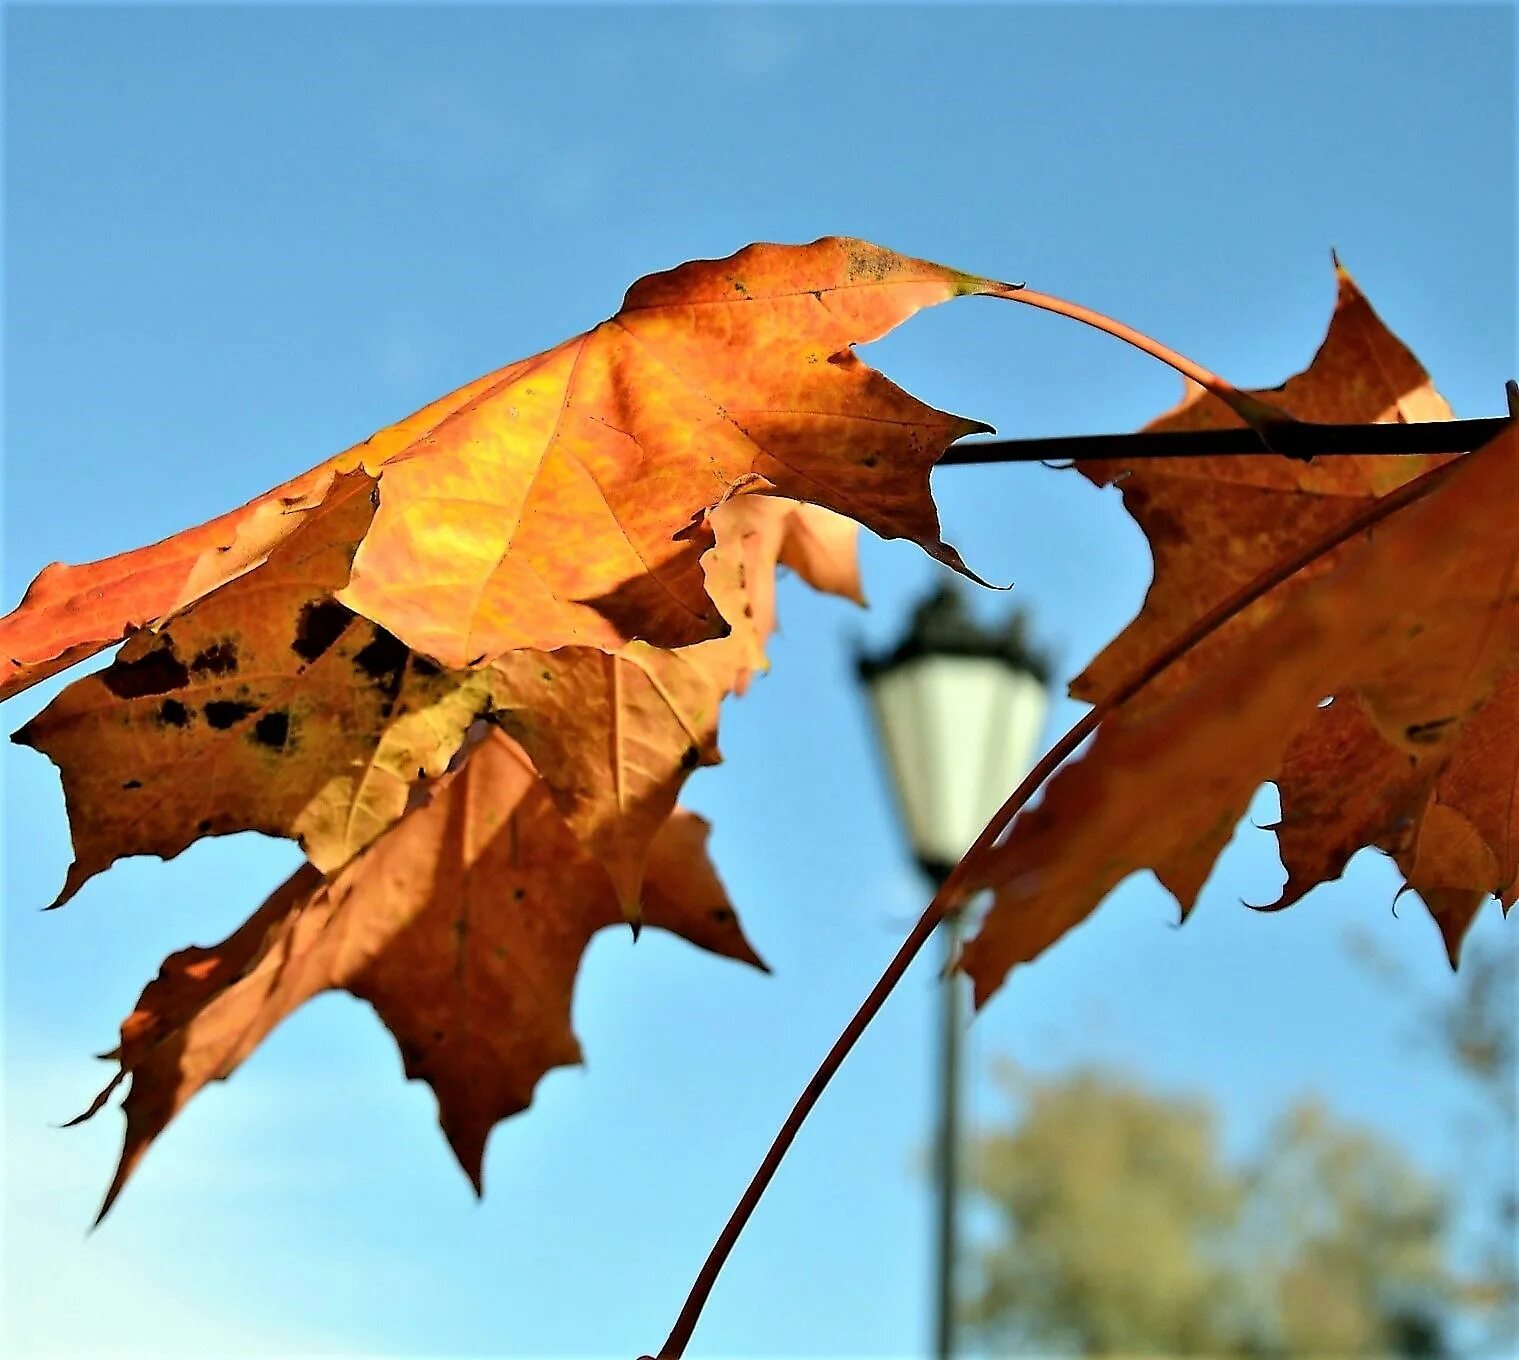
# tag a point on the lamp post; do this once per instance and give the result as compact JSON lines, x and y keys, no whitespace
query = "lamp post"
{"x":958,"y":708}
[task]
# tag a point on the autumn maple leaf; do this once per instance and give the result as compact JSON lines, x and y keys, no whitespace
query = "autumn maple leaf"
{"x":269,"y":706}
{"x":1213,"y":523}
{"x":587,"y":824}
{"x":463,"y":926}
{"x":562,"y":500}
{"x":1420,"y":622}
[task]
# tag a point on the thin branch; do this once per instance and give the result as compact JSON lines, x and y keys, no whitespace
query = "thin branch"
{"x":954,"y":890}
{"x":1299,"y":439}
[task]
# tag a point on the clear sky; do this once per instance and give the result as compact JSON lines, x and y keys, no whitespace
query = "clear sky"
{"x":238,"y":240}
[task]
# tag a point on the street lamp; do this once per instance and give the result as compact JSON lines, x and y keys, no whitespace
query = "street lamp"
{"x":959,"y":708}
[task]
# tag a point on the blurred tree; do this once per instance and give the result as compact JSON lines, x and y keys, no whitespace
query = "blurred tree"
{"x":1123,"y":1232}
{"x":1475,"y":1031}
{"x":1479,"y":1032}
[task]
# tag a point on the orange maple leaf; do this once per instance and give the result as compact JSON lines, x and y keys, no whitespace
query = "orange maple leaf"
{"x":1214,"y":522}
{"x":463,"y":926}
{"x":562,"y":500}
{"x":269,"y":706}
{"x":1420,"y":622}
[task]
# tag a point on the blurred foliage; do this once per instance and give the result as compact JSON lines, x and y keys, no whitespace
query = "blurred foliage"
{"x":1480,"y":1033}
{"x":1475,"y":1032}
{"x":1123,"y":1231}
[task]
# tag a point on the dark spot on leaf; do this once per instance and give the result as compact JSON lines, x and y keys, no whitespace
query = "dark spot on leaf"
{"x":383,"y":658}
{"x":218,"y":659}
{"x":172,"y":713}
{"x":222,"y":713}
{"x":870,"y":461}
{"x":1427,"y":731}
{"x":204,"y":825}
{"x":272,"y":730}
{"x":320,"y":624}
{"x":132,"y":784}
{"x":438,"y":1036}
{"x":156,"y":673}
{"x":722,"y":913}
{"x":383,"y":661}
{"x":518,"y":894}
{"x":690,"y":758}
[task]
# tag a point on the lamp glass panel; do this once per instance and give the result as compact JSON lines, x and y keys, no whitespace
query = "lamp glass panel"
{"x":958,"y":733}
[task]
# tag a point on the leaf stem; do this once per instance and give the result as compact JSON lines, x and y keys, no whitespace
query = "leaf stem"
{"x":1257,"y":413}
{"x":955,"y":890}
{"x":1301,"y":439}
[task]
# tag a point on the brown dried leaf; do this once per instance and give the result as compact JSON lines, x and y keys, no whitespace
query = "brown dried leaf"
{"x":463,"y":926}
{"x":1215,"y":523}
{"x":1420,"y":622}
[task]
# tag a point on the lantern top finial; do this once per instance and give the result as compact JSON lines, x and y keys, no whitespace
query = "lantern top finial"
{"x":942,"y":625}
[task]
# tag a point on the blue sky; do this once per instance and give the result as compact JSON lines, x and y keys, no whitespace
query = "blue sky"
{"x":238,"y":240}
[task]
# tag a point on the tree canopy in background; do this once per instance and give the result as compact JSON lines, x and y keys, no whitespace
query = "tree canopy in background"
{"x":1123,"y":1230}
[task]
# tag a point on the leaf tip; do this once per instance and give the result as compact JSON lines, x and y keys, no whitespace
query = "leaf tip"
{"x":130,"y":1156}
{"x":466,"y":1138}
{"x":72,"y":882}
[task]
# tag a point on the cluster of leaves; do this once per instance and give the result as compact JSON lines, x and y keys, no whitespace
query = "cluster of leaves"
{"x":468,"y":664}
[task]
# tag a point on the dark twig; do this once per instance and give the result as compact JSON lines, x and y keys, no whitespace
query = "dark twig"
{"x":1295,"y":439}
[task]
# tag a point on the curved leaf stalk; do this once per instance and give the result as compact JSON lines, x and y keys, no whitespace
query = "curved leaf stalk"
{"x":1261,"y":416}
